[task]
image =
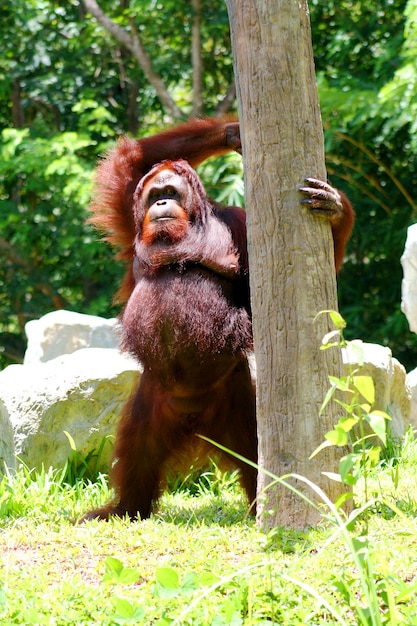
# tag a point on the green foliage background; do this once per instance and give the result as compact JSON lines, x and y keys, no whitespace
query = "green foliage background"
{"x":68,"y":90}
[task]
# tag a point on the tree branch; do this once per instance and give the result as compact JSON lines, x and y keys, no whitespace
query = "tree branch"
{"x":10,"y":252}
{"x":144,"y":61}
{"x":134,"y":44}
{"x":225,"y":104}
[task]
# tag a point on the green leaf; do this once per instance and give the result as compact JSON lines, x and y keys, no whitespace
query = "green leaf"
{"x":329,"y":395}
{"x":345,"y":466}
{"x":337,"y":320}
{"x":113,"y":566}
{"x":378,"y":422}
{"x":167,"y":577}
{"x":337,"y":436}
{"x":335,"y":317}
{"x":190,"y":582}
{"x":365,"y":386}
{"x":124,"y":608}
{"x":129,"y":576}
{"x":207,"y":579}
{"x":343,"y":383}
{"x":344,"y":497}
{"x":346,"y":406}
{"x":347,"y":423}
{"x":374,"y":454}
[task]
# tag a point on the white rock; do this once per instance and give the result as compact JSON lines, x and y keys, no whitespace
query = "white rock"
{"x":409,"y":283}
{"x":392,"y":393}
{"x":412,"y":384}
{"x":81,"y":393}
{"x":64,"y":332}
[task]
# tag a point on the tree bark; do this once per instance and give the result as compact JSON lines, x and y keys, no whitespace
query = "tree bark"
{"x":197,"y":60}
{"x":18,"y":113}
{"x":290,"y":251}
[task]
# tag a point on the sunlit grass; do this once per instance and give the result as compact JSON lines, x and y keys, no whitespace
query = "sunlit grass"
{"x":200,"y":559}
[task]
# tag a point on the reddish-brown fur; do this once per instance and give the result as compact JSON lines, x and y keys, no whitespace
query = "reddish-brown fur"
{"x":118,"y":175}
{"x":187,"y":317}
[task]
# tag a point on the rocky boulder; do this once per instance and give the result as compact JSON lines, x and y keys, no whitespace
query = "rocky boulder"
{"x":82,"y":393}
{"x":83,"y":390}
{"x":392,"y":393}
{"x":409,"y":283}
{"x":65,"y":332}
{"x":7,"y":454}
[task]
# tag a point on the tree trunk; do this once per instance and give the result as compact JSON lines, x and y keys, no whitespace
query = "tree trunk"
{"x":197,"y":60}
{"x":290,"y":251}
{"x":18,"y":113}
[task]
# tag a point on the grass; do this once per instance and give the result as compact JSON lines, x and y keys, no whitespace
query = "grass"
{"x":201,"y":561}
